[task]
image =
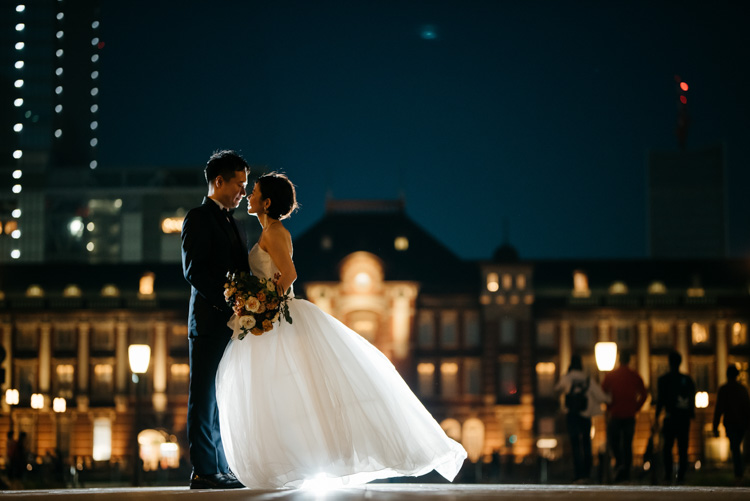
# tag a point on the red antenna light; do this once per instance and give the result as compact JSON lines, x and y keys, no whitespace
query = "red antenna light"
{"x":683,"y":86}
{"x":683,"y":99}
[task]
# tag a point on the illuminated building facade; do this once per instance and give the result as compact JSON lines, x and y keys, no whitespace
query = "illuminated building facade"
{"x":481,"y":343}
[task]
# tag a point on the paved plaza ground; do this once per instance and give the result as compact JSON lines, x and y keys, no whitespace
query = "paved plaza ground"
{"x":385,"y":492}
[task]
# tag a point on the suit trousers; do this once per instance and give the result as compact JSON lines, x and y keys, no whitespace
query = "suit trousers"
{"x":204,"y":433}
{"x":579,"y":432}
{"x":620,"y":433}
{"x":676,"y":428}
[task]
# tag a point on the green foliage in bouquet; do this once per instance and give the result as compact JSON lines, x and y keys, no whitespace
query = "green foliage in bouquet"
{"x":256,"y":302}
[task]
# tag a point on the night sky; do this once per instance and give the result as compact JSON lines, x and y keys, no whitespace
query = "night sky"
{"x":541,"y":113}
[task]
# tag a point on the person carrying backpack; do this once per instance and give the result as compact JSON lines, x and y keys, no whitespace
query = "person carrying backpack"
{"x":676,"y":395}
{"x":583,"y":398}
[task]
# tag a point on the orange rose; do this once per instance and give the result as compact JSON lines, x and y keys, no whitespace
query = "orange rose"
{"x":256,"y":331}
{"x":261,"y":297}
{"x":267,"y":325}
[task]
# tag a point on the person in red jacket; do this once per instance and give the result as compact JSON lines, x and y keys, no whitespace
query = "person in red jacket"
{"x":733,"y":403}
{"x":628,"y":396}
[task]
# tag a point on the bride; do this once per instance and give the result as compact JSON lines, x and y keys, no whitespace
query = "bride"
{"x":313,"y":402}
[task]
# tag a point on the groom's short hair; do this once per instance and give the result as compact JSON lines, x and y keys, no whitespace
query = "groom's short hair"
{"x":224,"y":163}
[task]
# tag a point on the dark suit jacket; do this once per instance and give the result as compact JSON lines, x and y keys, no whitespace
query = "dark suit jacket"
{"x":210,"y":248}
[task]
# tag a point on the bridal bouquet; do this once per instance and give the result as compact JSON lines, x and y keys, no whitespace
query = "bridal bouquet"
{"x":256,"y":302}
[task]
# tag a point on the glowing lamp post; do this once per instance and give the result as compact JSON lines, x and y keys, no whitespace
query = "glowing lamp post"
{"x":59,"y":405}
{"x":37,"y":401}
{"x":701,"y":400}
{"x":606,"y":355}
{"x":139,"y":356}
{"x":11,"y":398}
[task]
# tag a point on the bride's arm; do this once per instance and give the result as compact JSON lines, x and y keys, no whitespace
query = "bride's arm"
{"x":279,"y":247}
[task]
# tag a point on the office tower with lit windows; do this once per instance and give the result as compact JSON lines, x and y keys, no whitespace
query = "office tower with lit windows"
{"x":49,"y":74}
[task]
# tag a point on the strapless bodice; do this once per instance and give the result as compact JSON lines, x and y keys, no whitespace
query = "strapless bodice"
{"x":262,"y":265}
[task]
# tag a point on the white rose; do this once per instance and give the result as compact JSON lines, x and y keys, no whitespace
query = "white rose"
{"x":247,"y":322}
{"x":270,"y":286}
{"x":252,"y":304}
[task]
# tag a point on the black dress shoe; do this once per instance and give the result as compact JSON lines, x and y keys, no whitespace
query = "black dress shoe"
{"x":214,"y":481}
{"x":230,"y":475}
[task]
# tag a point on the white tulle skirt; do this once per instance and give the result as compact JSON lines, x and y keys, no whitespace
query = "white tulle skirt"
{"x":313,"y":402}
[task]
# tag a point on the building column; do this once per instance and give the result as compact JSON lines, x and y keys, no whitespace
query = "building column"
{"x":160,"y":367}
{"x":45,"y":358}
{"x":122,"y":365}
{"x":604,"y":330}
{"x":565,"y":347}
{"x":83,"y":366}
{"x":682,"y":344}
{"x":6,"y":339}
{"x":722,"y":352}
{"x":643,"y":355}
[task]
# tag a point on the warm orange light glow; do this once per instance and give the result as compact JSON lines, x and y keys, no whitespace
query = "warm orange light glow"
{"x":146,"y":284}
{"x":172,"y":225}
{"x":683,"y":86}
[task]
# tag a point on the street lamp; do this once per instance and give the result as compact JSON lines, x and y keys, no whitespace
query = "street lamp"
{"x":139,"y":356}
{"x":11,"y":398}
{"x":59,"y":405}
{"x":606,"y":355}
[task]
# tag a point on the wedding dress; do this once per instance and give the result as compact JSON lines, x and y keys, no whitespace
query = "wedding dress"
{"x":313,"y":402}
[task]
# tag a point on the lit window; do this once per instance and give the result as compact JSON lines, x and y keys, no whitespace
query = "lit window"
{"x":580,"y":284}
{"x":94,"y":75}
{"x":59,"y":34}
{"x":19,"y":65}
{"x":657,"y":288}
{"x":17,"y":188}
{"x":20,"y":45}
{"x":94,"y":141}
{"x":102,"y":439}
{"x":58,"y":89}
{"x":72,"y":290}
{"x":20,"y":8}
{"x":472,"y":376}
{"x":94,"y":58}
{"x":94,"y":108}
{"x":118,"y":203}
{"x":696,"y":292}
{"x":739,"y":334}
{"x":449,"y":379}
{"x":146,"y":284}
{"x":75,"y":226}
{"x":110,"y":290}
{"x":473,"y":438}
{"x":94,"y":41}
{"x":94,"y":91}
{"x":58,"y":108}
{"x":18,"y":83}
{"x":452,"y":428}
{"x":507,"y":281}
{"x":700,"y":333}
{"x":521,"y":281}
{"x":618,"y":288}
{"x":172,"y":224}
{"x":90,"y":246}
{"x":16,"y":234}
{"x":493,"y":282}
{"x":94,"y":125}
{"x":58,"y":132}
{"x":17,"y":174}
{"x":59,"y":53}
{"x":20,"y":27}
{"x":93,"y":164}
{"x":60,"y":15}
{"x":58,"y":71}
{"x":18,"y":127}
{"x":15,"y":253}
{"x":426,"y":373}
{"x":16,"y":213}
{"x":401,"y":243}
{"x":18,"y":102}
{"x":545,"y":378}
{"x":34,"y":291}
{"x":545,"y":334}
{"x":90,"y":226}
{"x":95,"y":24}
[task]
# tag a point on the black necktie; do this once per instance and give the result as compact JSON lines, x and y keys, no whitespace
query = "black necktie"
{"x":227,"y":212}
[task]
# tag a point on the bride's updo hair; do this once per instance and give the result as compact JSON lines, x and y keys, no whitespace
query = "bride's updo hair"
{"x":280,"y":190}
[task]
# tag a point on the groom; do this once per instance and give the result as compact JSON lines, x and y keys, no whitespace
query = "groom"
{"x":211,"y":246}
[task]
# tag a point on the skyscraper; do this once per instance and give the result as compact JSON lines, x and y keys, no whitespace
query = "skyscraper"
{"x":49,"y":73}
{"x":687,"y":204}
